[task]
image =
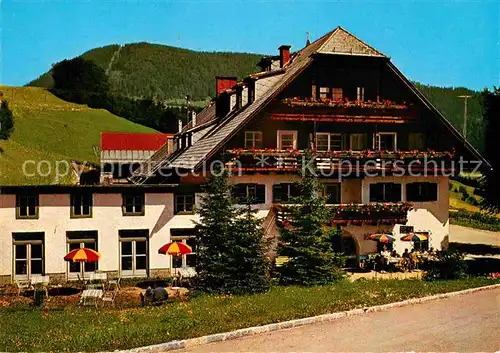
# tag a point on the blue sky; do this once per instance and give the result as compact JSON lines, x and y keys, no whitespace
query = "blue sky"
{"x":445,"y":43}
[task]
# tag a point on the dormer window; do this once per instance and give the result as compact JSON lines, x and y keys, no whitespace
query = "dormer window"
{"x":253,"y":139}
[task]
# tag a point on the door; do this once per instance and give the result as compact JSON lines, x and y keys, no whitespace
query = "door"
{"x":133,"y":253}
{"x":28,"y":255}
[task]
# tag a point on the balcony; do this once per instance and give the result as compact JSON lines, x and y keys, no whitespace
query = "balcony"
{"x":355,"y":214}
{"x":260,"y":160}
{"x":337,"y":110}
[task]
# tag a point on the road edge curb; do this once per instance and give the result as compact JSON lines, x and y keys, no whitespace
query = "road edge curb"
{"x":250,"y":331}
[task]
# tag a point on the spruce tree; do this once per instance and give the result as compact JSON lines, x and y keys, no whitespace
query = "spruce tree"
{"x":306,"y":239}
{"x":230,"y":253}
{"x":248,"y":254}
{"x":6,"y":121}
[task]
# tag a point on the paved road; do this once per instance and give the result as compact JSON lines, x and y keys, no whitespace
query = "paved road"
{"x":463,"y":323}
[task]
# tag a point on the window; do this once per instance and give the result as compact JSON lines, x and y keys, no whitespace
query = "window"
{"x":284,"y":192}
{"x":416,"y":141}
{"x":253,"y":139}
{"x":360,"y":93}
{"x":27,"y":206}
{"x":81,"y":205}
{"x":133,"y":205}
{"x":421,"y":192}
{"x":81,"y":239}
{"x":357,"y":142}
{"x":287,"y":139}
{"x":385,"y":192}
{"x":249,"y":193}
{"x":332,"y":193}
{"x":184,"y":203}
{"x":134,"y":252}
{"x":324,"y":92}
{"x":28,"y":253}
{"x":385,"y":141}
{"x":187,"y":237}
{"x":328,"y":142}
{"x":338,"y":93}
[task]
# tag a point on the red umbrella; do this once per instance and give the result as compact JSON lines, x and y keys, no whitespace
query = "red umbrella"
{"x":83,"y":255}
{"x":175,"y":248}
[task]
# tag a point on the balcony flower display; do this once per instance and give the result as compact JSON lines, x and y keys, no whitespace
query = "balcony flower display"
{"x":358,"y":214}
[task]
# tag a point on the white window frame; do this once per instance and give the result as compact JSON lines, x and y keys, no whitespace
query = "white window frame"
{"x":82,"y":242}
{"x":351,"y":137}
{"x":360,"y":93}
{"x":28,"y":259}
{"x":182,"y":239}
{"x":377,"y":139}
{"x":286,"y":132}
{"x":253,"y":135}
{"x":329,"y":134}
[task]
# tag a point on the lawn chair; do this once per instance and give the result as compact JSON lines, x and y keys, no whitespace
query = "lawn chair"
{"x":109,"y":297}
{"x":115,"y":283}
{"x":23,"y":286}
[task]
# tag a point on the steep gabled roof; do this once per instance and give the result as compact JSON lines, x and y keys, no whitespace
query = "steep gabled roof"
{"x":336,"y":42}
{"x":206,"y":147}
{"x":344,"y":43}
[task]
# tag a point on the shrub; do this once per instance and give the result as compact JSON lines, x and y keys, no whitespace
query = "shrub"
{"x":475,"y":220}
{"x":471,"y":200}
{"x":6,"y":121}
{"x":449,"y":265}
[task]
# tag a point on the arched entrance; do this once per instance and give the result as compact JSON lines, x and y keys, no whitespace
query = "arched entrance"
{"x":350,"y":247}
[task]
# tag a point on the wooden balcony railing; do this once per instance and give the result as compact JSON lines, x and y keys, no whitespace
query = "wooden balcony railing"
{"x":291,"y":160}
{"x":354,"y":214}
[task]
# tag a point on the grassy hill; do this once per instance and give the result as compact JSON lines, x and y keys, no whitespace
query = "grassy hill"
{"x":164,"y":72}
{"x":50,"y":129}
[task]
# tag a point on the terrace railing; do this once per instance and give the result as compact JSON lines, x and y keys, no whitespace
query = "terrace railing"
{"x":355,"y":214}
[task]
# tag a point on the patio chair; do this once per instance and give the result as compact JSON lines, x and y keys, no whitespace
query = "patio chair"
{"x":41,"y":283}
{"x":109,"y":297}
{"x":23,"y":286}
{"x":115,"y":283}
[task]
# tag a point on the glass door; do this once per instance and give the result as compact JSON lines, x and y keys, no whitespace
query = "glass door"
{"x":133,"y":253}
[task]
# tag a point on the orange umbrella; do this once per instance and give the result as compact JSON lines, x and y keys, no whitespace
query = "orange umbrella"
{"x":175,"y":248}
{"x":83,"y":255}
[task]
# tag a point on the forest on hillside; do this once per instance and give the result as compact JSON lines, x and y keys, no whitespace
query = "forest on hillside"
{"x":160,"y":72}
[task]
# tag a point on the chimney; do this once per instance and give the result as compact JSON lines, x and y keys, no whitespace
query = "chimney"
{"x":284,"y":55}
{"x":223,"y":83}
{"x":179,"y":128}
{"x":193,"y":115}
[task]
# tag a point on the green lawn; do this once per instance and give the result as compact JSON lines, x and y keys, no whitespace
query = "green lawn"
{"x":90,"y":329}
{"x":48,"y":128}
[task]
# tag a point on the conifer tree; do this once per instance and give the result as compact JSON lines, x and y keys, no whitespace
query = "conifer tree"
{"x":230,"y":253}
{"x":248,"y":253}
{"x":306,"y":239}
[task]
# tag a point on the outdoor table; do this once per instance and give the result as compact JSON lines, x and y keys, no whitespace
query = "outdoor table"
{"x":101,"y":277}
{"x":91,"y":295}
